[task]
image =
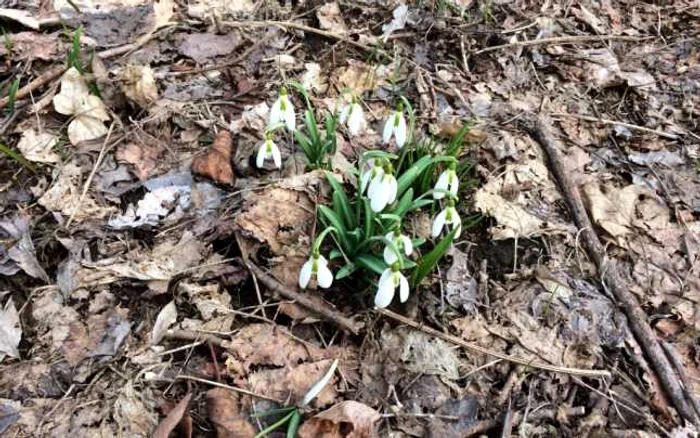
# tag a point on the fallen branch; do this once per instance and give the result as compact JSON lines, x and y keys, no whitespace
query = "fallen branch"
{"x":562,"y":40}
{"x":541,"y":130}
{"x":325,"y":312}
{"x":615,"y":122}
{"x":473,"y":347}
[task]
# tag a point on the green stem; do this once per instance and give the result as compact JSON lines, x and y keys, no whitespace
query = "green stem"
{"x":275,"y":425}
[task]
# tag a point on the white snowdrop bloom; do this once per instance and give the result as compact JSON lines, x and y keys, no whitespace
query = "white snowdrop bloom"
{"x":390,"y":279}
{"x":268,"y":149}
{"x":374,"y":170}
{"x":447,"y":216}
{"x":317,"y":265}
{"x":382,"y":191}
{"x":282,"y":111}
{"x":353,"y":116}
{"x":446,"y":181}
{"x":395,"y":125}
{"x":403,"y":243}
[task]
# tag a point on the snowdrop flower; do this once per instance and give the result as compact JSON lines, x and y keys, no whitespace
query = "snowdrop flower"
{"x":282,"y":111}
{"x":446,"y":181}
{"x":382,"y":190}
{"x":318,"y":386}
{"x":402,"y":242}
{"x":447,"y":216}
{"x":268,"y":149}
{"x":390,"y":279}
{"x":317,"y":265}
{"x":374,"y":171}
{"x":353,"y":117}
{"x":396,"y":125}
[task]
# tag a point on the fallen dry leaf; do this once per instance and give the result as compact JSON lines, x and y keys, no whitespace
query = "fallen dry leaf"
{"x":20,"y":16}
{"x":17,"y":249}
{"x":143,"y":157}
{"x":163,"y":11}
{"x":347,"y":419}
{"x":225,"y":413}
{"x":294,"y":382}
{"x":38,"y":147}
{"x":204,"y":46}
{"x":173,"y":418}
{"x":10,"y":330}
{"x":218,"y":8}
{"x":312,"y":78}
{"x":134,"y":411}
{"x":216,"y":162}
{"x":166,"y":317}
{"x":138,"y":84}
{"x":100,"y":336}
{"x":87,"y":110}
{"x":329,"y":18}
{"x":612,"y":209}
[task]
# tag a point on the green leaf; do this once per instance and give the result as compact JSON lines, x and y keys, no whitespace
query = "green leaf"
{"x":417,"y":242}
{"x":293,"y":424}
{"x":454,"y":147}
{"x":369,"y":219}
{"x":264,"y":414}
{"x":344,"y":202}
{"x":334,"y":254}
{"x":335,"y":222}
{"x":412,"y":173}
{"x":311,"y":126}
{"x":302,"y":90}
{"x":420,"y":203}
{"x":346,"y":270}
{"x":373,"y":263}
{"x":277,"y":424}
{"x":430,"y":260}
{"x":17,"y":157}
{"x":404,"y":203}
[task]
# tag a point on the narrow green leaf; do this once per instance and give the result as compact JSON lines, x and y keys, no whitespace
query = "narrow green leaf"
{"x":293,"y":424}
{"x":454,"y":147}
{"x":345,"y":205}
{"x":346,"y":271}
{"x":412,"y":173}
{"x":311,"y":126}
{"x":404,"y":203}
{"x":19,"y":158}
{"x":264,"y":414}
{"x":369,"y":219}
{"x":420,"y":203}
{"x":335,"y":222}
{"x":373,"y":263}
{"x":275,"y":425}
{"x":430,"y":260}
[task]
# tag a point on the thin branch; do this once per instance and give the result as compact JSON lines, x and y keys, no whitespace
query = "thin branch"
{"x":229,"y":387}
{"x":562,"y":40}
{"x":479,"y":349}
{"x":615,"y":122}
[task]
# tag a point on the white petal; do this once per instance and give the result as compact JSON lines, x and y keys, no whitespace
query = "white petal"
{"x":392,"y":187}
{"x":441,"y":184}
{"x":389,"y":236}
{"x":322,"y":261}
{"x":379,"y":198}
{"x":365,"y":180}
{"x":318,"y":386}
{"x":454,"y":185}
{"x":276,"y":112}
{"x":385,"y":289}
{"x":456,"y":222}
{"x":388,"y":129}
{"x":375,"y":185}
{"x":324,"y":277}
{"x":344,"y":114}
{"x":400,"y":132}
{"x":262,"y":152}
{"x":403,"y":288}
{"x":407,"y":245}
{"x":276,"y":156}
{"x":290,"y":116}
{"x":355,"y":121}
{"x":439,"y":222}
{"x":389,"y":256}
{"x":305,"y":274}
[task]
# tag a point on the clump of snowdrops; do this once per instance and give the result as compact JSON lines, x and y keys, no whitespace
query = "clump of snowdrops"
{"x":366,"y":223}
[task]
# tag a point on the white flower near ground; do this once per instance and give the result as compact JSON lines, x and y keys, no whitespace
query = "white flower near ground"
{"x":391,"y":279}
{"x":447,"y":216}
{"x":382,"y":191}
{"x":282,"y":111}
{"x":447,"y":181}
{"x":402,"y":242}
{"x":268,"y":149}
{"x":88,"y":111}
{"x":374,"y":171}
{"x":317,"y":266}
{"x":318,"y":386}
{"x":352,"y":116}
{"x":396,"y":126}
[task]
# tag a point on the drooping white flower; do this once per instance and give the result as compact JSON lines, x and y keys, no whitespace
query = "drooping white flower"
{"x":395,"y":125}
{"x":374,"y":171}
{"x":318,"y":386}
{"x":446,"y":181}
{"x":282,"y":111}
{"x":403,"y":243}
{"x":390,"y":279}
{"x":382,"y":191}
{"x":353,"y":116}
{"x":268,"y":149}
{"x":317,"y":265}
{"x":447,"y":216}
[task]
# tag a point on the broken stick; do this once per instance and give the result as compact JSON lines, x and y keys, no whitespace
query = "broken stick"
{"x":540,"y":128}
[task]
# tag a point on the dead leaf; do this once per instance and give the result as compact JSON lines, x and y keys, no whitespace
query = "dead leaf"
{"x":398,"y":22}
{"x":173,"y":418}
{"x":312,"y":78}
{"x":143,"y":157}
{"x":87,"y":110}
{"x":33,"y":46}
{"x":347,"y":419}
{"x":163,"y":11}
{"x":20,"y":16}
{"x":216,"y":162}
{"x":329,"y":18}
{"x":460,"y":285}
{"x":10,"y":330}
{"x":294,"y":382}
{"x":138,"y":84}
{"x":418,"y":352}
{"x":166,"y":317}
{"x":38,"y":147}
{"x":225,"y":413}
{"x":219,"y":8}
{"x":134,"y":411}
{"x":9,"y":413}
{"x":213,"y":305}
{"x":17,"y":249}
{"x":204,"y":46}
{"x":100,"y":336}
{"x":612,"y":209}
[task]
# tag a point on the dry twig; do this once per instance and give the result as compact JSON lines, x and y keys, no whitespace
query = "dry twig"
{"x":562,"y":40}
{"x":615,"y":122}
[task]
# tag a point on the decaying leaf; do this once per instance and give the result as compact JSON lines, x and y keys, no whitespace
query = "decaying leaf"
{"x":163,"y":11}
{"x":216,"y":162}
{"x":213,"y":304}
{"x":225,"y":413}
{"x":17,"y":249}
{"x":38,"y":147}
{"x":204,"y":46}
{"x":173,"y":418}
{"x":614,"y":209}
{"x":218,"y":8}
{"x":329,"y":18}
{"x":421,"y":353}
{"x":313,"y":79}
{"x":398,"y":22}
{"x":138,"y":84}
{"x":100,"y":336}
{"x":143,"y":157}
{"x":88,"y":111}
{"x":166,"y":317}
{"x":10,"y":330}
{"x":134,"y":411}
{"x":348,"y":419}
{"x":294,"y":382}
